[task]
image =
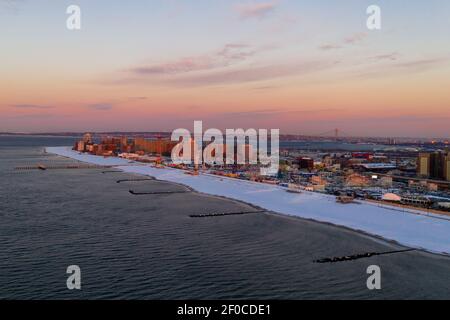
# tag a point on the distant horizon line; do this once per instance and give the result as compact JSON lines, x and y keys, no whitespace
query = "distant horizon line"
{"x":68,"y":133}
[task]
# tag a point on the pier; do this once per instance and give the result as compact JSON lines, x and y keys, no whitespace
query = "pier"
{"x":133,"y":180}
{"x":209,"y":215}
{"x":359,"y":256}
{"x":157,"y":192}
{"x":44,"y":167}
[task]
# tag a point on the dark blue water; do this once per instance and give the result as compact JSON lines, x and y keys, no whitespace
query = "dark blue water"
{"x":148,"y":247}
{"x":35,"y":141}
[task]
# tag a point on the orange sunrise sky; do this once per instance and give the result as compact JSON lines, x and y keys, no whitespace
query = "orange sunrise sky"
{"x":304,"y":67}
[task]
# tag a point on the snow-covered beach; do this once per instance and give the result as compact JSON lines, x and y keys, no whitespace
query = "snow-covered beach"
{"x":405,"y":227}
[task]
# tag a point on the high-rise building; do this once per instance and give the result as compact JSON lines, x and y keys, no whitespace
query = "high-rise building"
{"x":81,"y":146}
{"x":139,"y":144}
{"x":447,"y":167}
{"x":423,"y":165}
{"x":87,"y":138}
{"x":160,"y":146}
{"x":434,"y":165}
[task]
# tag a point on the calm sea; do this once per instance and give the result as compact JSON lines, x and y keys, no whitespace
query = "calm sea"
{"x":147,"y":247}
{"x":331,"y":146}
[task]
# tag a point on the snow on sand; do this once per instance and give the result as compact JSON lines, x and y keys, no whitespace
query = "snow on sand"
{"x":417,"y":231}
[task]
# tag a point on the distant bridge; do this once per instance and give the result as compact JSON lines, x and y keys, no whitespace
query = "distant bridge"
{"x":335,"y":133}
{"x":43,"y":167}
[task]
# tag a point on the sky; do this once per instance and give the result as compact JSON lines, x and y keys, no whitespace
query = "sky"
{"x":304,"y":67}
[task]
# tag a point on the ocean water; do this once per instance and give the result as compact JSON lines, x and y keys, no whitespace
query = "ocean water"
{"x":329,"y":146}
{"x":147,"y":247}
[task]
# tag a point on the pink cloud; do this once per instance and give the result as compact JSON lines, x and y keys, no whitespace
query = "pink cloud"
{"x":356,"y":38}
{"x":253,"y":74}
{"x":256,"y":10}
{"x":327,"y":47}
{"x":181,"y":66}
{"x":228,"y":55}
{"x":390,"y":56}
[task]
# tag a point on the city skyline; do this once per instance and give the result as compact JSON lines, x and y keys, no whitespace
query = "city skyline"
{"x":158,"y":65}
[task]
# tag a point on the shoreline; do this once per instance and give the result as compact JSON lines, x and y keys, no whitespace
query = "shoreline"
{"x":426,"y":212}
{"x":387,"y":242}
{"x":250,"y":196}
